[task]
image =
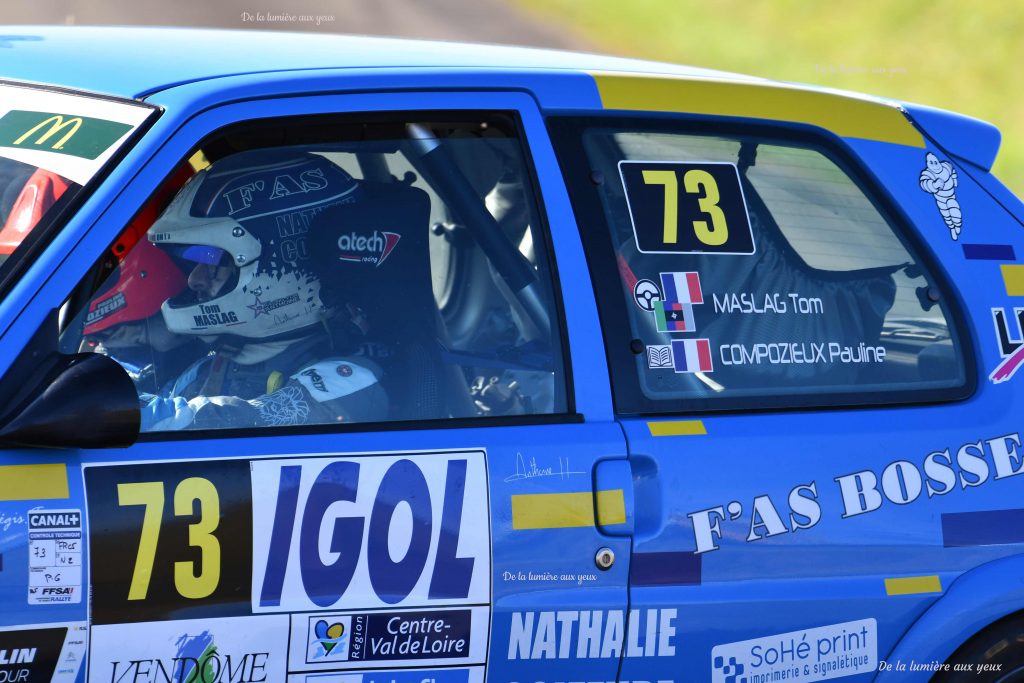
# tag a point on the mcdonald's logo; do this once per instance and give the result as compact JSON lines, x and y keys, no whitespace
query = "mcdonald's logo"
{"x":79,"y":136}
{"x":57,"y":124}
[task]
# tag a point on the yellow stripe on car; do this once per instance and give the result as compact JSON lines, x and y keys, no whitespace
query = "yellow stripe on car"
{"x":567,"y":510}
{"x":913,"y":585}
{"x":844,"y":115}
{"x":677,"y":428}
{"x":1013,"y":278}
{"x":33,"y":482}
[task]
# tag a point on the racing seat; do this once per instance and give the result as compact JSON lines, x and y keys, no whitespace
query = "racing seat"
{"x":374,"y":254}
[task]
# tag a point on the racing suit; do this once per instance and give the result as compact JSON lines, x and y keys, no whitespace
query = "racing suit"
{"x":301,"y":384}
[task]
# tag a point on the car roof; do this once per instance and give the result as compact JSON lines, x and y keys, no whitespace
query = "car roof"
{"x":134,"y":62}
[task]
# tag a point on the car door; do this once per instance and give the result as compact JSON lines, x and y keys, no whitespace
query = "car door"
{"x":795,"y":375}
{"x":479,"y":536}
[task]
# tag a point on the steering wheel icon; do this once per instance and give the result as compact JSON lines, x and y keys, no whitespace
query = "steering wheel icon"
{"x":645,"y":293}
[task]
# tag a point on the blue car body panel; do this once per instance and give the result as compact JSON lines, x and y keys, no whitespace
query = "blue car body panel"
{"x":922,"y":574}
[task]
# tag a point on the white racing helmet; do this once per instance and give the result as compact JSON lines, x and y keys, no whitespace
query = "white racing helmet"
{"x":252,"y":211}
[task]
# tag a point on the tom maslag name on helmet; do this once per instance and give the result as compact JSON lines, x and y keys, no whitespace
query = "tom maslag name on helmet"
{"x":211,"y":315}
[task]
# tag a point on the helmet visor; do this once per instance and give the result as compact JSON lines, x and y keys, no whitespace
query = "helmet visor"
{"x":197,"y":253}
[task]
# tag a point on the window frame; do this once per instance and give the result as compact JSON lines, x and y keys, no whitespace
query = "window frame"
{"x":564,"y":386}
{"x":583,"y":182}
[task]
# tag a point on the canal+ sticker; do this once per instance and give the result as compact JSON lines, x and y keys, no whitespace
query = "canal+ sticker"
{"x":336,"y":533}
{"x":54,"y":557}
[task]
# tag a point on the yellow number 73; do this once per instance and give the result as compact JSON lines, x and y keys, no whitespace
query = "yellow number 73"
{"x":200,"y":535}
{"x":696,"y":182}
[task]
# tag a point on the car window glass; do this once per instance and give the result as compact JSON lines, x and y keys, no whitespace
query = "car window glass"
{"x":759,"y":272}
{"x":336,"y":280}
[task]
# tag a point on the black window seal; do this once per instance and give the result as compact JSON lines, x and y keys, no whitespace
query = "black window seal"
{"x":567,"y":137}
{"x":363,"y":427}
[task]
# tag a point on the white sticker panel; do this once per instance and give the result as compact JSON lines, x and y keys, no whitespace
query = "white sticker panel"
{"x":814,"y":654}
{"x":70,"y":135}
{"x":54,"y":556}
{"x":371,"y":532}
{"x":397,"y":639}
{"x":235,"y":649}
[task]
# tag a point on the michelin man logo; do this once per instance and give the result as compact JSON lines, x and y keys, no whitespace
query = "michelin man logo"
{"x":939,"y":180}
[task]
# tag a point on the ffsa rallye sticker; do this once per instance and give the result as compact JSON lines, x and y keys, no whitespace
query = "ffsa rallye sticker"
{"x":370,"y":532}
{"x":54,"y":556}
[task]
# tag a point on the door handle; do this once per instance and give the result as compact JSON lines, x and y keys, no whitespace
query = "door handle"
{"x":614,"y":508}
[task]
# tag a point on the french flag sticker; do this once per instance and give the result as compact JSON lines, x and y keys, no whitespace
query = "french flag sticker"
{"x":683,"y":288}
{"x":692,"y":355}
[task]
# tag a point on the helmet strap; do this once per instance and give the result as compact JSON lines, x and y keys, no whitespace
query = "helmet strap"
{"x":325,"y":323}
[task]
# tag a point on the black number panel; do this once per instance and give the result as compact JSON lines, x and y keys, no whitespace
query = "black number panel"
{"x":687,"y":208}
{"x":170,"y":541}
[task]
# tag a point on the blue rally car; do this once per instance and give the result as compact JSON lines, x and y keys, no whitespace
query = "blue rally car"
{"x":347,"y":360}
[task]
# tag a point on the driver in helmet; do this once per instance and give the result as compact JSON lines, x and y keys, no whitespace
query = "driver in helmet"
{"x":124,"y":321}
{"x":278,"y":355}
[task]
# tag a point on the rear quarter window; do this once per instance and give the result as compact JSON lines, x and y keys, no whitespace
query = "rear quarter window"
{"x":754,"y":270}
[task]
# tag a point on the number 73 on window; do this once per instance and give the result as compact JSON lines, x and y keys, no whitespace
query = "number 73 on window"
{"x":687,"y":208}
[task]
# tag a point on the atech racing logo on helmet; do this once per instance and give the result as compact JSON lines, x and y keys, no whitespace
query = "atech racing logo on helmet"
{"x":373,"y":248}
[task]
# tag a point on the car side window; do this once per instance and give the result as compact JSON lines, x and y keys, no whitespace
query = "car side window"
{"x":759,"y":272}
{"x":335,"y":271}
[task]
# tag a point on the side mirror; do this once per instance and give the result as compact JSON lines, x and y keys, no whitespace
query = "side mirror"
{"x":86,"y":401}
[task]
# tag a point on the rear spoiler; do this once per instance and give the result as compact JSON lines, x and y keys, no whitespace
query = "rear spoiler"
{"x":965,"y":137}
